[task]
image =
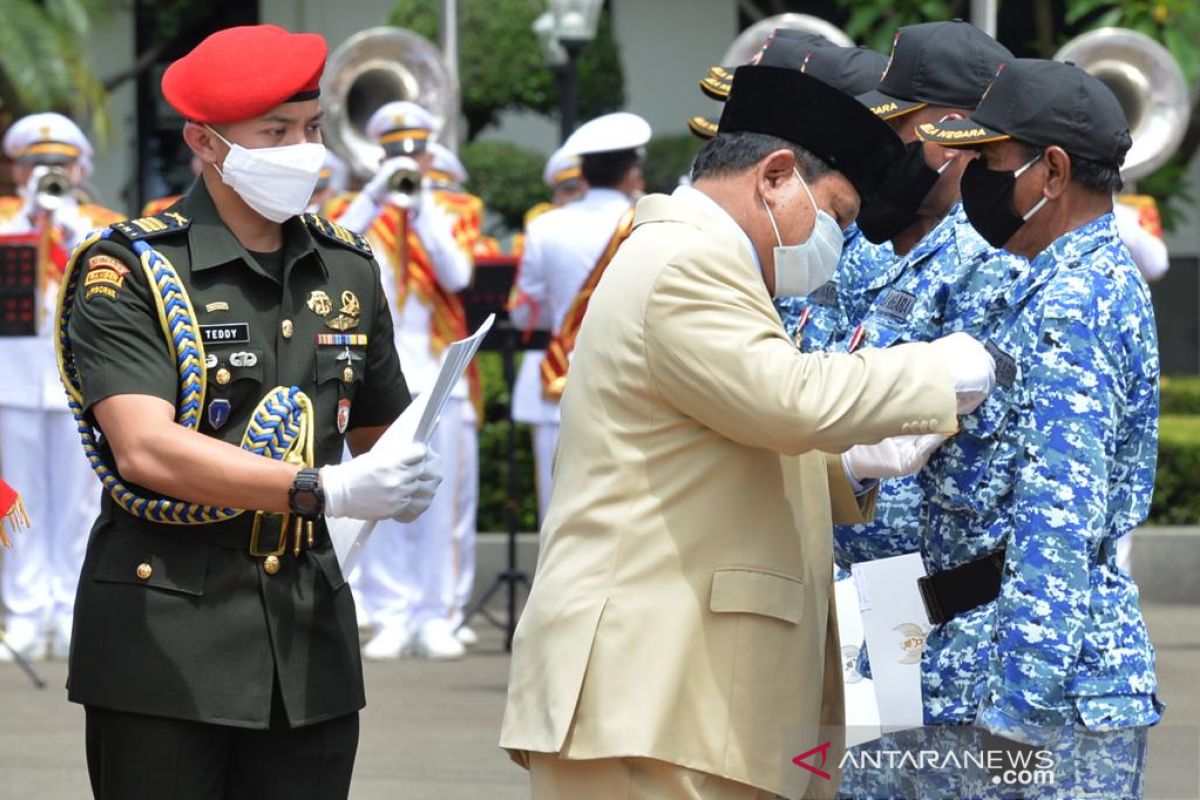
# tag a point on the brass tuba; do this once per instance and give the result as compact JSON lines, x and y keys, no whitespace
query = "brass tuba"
{"x":750,"y":41}
{"x":1147,"y":83}
{"x":374,"y":67}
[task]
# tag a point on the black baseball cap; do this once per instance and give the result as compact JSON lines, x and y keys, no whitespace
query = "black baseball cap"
{"x":785,"y":47}
{"x":702,"y":127}
{"x":844,"y":134}
{"x":936,"y":63}
{"x":852,"y":70}
{"x":1043,"y":103}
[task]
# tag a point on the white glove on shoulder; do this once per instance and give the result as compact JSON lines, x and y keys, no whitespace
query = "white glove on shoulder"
{"x":971,"y":367}
{"x":891,"y":458}
{"x":383,"y":483}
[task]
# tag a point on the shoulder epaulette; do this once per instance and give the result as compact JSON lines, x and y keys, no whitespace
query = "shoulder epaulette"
{"x":150,"y":227}
{"x":332,"y":232}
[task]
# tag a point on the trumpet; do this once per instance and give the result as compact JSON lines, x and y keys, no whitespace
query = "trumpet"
{"x":404,"y":184}
{"x":50,"y":187}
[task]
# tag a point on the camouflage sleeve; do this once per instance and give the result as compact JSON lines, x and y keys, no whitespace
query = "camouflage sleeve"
{"x":1065,"y":430}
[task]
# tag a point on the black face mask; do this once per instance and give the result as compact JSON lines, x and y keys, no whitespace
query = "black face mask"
{"x":894,"y":207}
{"x":987,"y":196}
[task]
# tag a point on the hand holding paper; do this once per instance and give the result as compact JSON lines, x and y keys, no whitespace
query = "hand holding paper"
{"x":383,"y":482}
{"x":414,"y":428}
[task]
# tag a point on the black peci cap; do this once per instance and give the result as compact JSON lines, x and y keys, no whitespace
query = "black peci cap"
{"x":1043,"y":103}
{"x":936,"y":63}
{"x":784,"y":102}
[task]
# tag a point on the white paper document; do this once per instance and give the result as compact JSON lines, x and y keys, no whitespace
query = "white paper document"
{"x":862,"y":707}
{"x":417,"y":424}
{"x":895,"y":626}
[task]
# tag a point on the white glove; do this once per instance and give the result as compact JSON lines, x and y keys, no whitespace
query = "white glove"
{"x":971,"y":367}
{"x":382,"y":483}
{"x":891,"y":458}
{"x":428,"y":481}
{"x":378,"y":187}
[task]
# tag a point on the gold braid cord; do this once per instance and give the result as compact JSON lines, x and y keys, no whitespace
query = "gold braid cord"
{"x":280,"y":428}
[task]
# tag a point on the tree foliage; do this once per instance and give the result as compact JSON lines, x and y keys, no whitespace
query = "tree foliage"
{"x":44,"y":64}
{"x":508,"y":178}
{"x":500,"y":60}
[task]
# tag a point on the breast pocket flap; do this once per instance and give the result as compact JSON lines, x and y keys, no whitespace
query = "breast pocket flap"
{"x":153,"y":560}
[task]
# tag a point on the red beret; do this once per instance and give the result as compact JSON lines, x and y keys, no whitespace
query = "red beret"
{"x":244,"y":72}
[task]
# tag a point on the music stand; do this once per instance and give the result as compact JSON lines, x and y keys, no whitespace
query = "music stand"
{"x":494,"y":278}
{"x":19,"y":284}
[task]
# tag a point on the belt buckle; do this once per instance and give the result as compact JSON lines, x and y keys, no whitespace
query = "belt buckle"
{"x":256,"y":532}
{"x":933,"y":609}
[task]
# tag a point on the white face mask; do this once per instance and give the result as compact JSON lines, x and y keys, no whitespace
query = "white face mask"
{"x":800,"y":268}
{"x":277,"y":182}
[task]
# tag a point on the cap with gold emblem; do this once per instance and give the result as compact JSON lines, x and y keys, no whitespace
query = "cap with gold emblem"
{"x":785,"y":47}
{"x":1043,"y":103}
{"x":402,"y":127}
{"x":46,"y":138}
{"x":936,"y":63}
{"x":562,"y":169}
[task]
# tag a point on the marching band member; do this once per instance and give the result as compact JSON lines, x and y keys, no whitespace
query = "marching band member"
{"x":39,"y":449}
{"x":412,"y":574}
{"x":566,"y":249}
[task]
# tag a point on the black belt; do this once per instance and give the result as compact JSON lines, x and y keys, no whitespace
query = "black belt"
{"x":951,"y":592}
{"x":259,"y":535}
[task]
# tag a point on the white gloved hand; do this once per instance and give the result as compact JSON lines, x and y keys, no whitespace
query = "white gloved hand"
{"x":382,"y":483}
{"x":891,"y":458}
{"x":428,"y":480}
{"x":378,"y":187}
{"x":971,"y":367}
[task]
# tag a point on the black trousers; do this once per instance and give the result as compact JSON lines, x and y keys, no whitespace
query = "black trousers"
{"x":139,"y":757}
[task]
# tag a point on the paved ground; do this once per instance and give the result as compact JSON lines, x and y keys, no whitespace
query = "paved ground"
{"x":430,"y":730}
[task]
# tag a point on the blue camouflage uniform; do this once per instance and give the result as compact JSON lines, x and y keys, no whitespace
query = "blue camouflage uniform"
{"x":944,"y":284}
{"x":824,"y":316}
{"x":1056,"y":465}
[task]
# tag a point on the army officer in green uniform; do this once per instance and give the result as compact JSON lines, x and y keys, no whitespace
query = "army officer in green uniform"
{"x":217,"y":356}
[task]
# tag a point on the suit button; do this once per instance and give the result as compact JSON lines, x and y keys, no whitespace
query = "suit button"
{"x":286,"y":329}
{"x":144,"y":571}
{"x":223,"y":376}
{"x":906,"y":427}
{"x":271,"y":565}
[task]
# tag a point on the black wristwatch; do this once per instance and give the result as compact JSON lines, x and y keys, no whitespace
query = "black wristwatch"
{"x":306,"y":498}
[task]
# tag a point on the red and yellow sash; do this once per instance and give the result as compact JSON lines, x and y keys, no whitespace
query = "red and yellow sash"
{"x":414,"y":273}
{"x":557,"y":360}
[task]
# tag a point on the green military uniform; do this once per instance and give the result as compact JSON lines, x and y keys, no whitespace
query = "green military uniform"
{"x":181,"y":621}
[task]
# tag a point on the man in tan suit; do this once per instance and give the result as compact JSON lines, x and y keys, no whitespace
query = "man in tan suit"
{"x":680,"y":639}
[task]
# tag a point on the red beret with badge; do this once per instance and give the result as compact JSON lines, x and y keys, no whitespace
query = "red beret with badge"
{"x":243,"y":72}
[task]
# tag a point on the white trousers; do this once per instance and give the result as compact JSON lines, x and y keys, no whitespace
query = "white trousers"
{"x":41,"y":458}
{"x":413,"y":572}
{"x":545,"y":439}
